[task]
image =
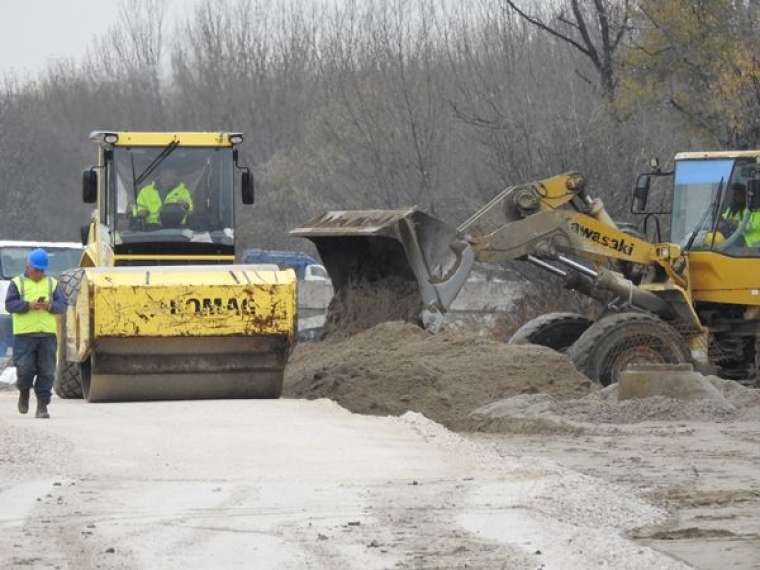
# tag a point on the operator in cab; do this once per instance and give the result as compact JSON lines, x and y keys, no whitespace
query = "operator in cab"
{"x":164,"y":203}
{"x":740,"y":222}
{"x":734,"y":213}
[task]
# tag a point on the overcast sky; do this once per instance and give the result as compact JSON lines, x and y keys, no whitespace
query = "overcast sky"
{"x":34,"y":33}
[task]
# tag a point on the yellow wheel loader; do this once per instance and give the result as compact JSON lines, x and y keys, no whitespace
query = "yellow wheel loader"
{"x":158,"y":310}
{"x":694,"y":298}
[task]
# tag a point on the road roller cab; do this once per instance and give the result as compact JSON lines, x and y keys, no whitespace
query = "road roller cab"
{"x":157,"y":309}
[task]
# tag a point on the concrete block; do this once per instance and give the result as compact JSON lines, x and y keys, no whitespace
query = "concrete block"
{"x":488,"y":296}
{"x":679,"y":382}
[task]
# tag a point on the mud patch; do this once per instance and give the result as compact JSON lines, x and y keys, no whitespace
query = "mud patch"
{"x":685,"y":533}
{"x":720,"y":498}
{"x":397,"y":367}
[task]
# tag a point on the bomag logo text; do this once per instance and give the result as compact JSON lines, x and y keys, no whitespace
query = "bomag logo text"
{"x":213,"y":306}
{"x":615,"y":244}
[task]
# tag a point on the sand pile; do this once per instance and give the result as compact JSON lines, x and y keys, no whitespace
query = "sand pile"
{"x":396,"y":367}
{"x":544,"y":413}
{"x":360,"y":307}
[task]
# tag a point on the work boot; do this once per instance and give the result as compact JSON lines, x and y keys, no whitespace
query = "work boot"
{"x":42,"y":411}
{"x":23,"y":401}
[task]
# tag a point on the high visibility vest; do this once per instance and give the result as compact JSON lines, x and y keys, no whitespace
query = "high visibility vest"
{"x":149,"y":199}
{"x":735,"y":217}
{"x":180,"y":194}
{"x":752,"y":231}
{"x":34,"y":321}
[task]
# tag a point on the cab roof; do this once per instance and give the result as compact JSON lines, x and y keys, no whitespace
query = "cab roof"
{"x":718,"y":154}
{"x":141,"y":138}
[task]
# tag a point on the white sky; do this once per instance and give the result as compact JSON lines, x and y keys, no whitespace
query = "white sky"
{"x":35,"y":32}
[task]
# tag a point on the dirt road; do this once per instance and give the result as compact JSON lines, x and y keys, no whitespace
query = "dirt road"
{"x":292,"y":484}
{"x":706,"y":474}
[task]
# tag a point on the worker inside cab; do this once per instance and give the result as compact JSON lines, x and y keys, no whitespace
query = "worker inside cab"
{"x":165,"y":202}
{"x":733,"y":214}
{"x":740,"y":222}
{"x":155,"y":197}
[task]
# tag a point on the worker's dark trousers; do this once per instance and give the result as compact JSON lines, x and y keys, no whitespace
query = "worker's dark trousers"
{"x":35,"y":355}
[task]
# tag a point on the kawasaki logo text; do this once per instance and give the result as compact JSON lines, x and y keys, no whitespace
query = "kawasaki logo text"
{"x":619,"y":245}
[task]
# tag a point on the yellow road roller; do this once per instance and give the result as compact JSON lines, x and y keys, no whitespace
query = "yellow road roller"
{"x":158,"y":310}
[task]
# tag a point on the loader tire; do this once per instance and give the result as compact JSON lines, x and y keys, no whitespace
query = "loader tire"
{"x":68,"y":375}
{"x":614,"y":342}
{"x":554,"y":330}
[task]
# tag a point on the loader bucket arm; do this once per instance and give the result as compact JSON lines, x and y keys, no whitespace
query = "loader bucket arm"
{"x":409,"y":246}
{"x":412,"y":247}
{"x":526,"y":221}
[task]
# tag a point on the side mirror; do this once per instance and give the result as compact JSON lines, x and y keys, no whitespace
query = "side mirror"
{"x":89,"y":186}
{"x":246,"y":185}
{"x":84,"y":233}
{"x":641,"y":192}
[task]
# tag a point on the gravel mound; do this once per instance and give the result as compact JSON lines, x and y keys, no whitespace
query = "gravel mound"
{"x":361,"y":306}
{"x":397,"y":367}
{"x":542,"y":413}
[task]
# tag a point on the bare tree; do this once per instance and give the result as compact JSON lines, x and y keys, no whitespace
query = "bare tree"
{"x":595,"y":28}
{"x":344,"y":103}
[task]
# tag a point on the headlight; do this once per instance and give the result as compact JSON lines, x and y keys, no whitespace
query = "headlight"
{"x":237,"y":138}
{"x":111,"y":138}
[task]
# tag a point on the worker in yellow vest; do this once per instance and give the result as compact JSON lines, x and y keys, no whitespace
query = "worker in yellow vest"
{"x":165,"y":203}
{"x":742,"y":221}
{"x":734,"y":213}
{"x":33,"y":300}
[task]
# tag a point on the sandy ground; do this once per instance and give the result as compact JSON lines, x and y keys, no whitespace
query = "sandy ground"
{"x":707,"y":475}
{"x":294,"y":484}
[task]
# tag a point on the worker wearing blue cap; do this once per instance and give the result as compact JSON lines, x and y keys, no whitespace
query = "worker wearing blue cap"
{"x":34,"y":300}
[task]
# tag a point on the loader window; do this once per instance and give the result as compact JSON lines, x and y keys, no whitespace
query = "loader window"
{"x":179,"y":196}
{"x":717,"y":206}
{"x":695,"y":197}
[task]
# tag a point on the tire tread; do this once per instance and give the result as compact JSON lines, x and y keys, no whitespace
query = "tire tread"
{"x":582,"y":352}
{"x":68,"y":377}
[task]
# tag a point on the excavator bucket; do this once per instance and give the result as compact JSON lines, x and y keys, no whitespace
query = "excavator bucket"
{"x":361,"y":247}
{"x":185,"y":332}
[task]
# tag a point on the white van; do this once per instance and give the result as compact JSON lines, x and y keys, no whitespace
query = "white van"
{"x":62,"y":255}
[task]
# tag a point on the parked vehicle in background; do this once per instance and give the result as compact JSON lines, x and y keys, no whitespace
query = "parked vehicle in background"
{"x":307,"y":268}
{"x":62,"y":256}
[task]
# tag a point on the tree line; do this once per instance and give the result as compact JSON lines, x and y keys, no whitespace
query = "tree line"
{"x":350,"y":104}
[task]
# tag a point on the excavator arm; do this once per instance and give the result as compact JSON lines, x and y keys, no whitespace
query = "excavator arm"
{"x":548,"y":222}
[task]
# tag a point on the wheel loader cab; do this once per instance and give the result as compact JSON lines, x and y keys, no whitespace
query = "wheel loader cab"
{"x":716,"y":205}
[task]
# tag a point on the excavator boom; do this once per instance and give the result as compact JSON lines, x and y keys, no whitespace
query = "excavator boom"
{"x":524,"y":222}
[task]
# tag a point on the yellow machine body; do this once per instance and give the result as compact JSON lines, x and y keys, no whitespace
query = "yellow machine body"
{"x":168,"y":323}
{"x":229,"y":300}
{"x":704,"y":282}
